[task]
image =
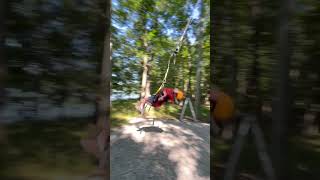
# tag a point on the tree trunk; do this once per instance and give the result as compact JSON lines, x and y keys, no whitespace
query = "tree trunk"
{"x":2,"y":65}
{"x":199,"y":62}
{"x":234,"y":82}
{"x":231,"y":31}
{"x":188,"y":80}
{"x":198,"y":83}
{"x":148,"y":84}
{"x":182,"y":75}
{"x":144,"y":77}
{"x":103,"y":121}
{"x":214,"y":16}
{"x":3,"y":71}
{"x":254,"y":96}
{"x":281,"y":114}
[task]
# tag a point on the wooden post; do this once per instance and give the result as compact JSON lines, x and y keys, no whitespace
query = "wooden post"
{"x":191,"y":108}
{"x":236,"y":150}
{"x":192,"y":111}
{"x":183,"y":109}
{"x":249,"y":122}
{"x":262,"y":151}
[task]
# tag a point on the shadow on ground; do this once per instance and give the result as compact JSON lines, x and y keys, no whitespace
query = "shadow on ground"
{"x":169,"y":150}
{"x":150,"y":129}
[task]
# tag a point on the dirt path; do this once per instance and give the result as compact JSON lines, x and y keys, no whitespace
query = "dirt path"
{"x":167,"y":150}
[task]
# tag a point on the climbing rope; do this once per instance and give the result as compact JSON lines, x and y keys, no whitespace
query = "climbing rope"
{"x":174,"y":54}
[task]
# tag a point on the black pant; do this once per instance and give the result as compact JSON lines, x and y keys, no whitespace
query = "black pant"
{"x":154,"y":98}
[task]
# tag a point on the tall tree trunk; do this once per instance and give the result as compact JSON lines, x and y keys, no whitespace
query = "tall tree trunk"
{"x":145,"y":83}
{"x":2,"y":65}
{"x":281,"y":109}
{"x":214,"y":16}
{"x":103,"y":117}
{"x":182,"y":76}
{"x":199,"y":62}
{"x":144,"y":77}
{"x":148,"y":84}
{"x":190,"y":90}
{"x":198,"y":83}
{"x":253,"y":79}
{"x":188,"y":80}
{"x":231,"y":31}
{"x":234,"y":82}
{"x":2,"y":55}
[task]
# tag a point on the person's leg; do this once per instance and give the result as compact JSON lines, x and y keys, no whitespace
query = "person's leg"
{"x":152,"y":99}
{"x":155,"y":98}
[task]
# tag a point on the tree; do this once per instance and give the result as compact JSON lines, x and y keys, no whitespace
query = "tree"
{"x":142,"y":47}
{"x":103,"y":121}
{"x":281,"y":114}
{"x":254,"y":75}
{"x":2,"y":55}
{"x":2,"y":64}
{"x":97,"y":142}
{"x":199,"y":59}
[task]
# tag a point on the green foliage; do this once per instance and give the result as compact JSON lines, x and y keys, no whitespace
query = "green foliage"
{"x":124,"y":110}
{"x":144,"y":27}
{"x":45,"y":150}
{"x":58,"y":43}
{"x":246,"y":54}
{"x":237,"y":47}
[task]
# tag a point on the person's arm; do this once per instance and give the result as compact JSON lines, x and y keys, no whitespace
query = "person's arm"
{"x":161,"y":98}
{"x":175,"y":100}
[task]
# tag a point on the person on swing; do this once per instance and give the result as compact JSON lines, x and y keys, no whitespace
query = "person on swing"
{"x":173,"y":95}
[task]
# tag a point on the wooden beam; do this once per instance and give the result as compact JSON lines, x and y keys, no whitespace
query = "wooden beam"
{"x":191,"y":109}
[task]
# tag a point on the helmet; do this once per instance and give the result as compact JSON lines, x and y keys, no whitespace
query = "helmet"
{"x":180,"y":95}
{"x":224,"y":109}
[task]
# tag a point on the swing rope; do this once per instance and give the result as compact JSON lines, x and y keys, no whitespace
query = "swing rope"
{"x":174,"y":55}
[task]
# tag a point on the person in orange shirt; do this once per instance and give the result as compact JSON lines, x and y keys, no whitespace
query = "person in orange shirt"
{"x":222,"y":108}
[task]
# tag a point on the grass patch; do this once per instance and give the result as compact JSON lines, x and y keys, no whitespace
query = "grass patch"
{"x":45,"y":150}
{"x":123,"y":110}
{"x":50,"y":150}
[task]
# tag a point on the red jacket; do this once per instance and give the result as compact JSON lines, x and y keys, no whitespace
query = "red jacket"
{"x":169,"y":96}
